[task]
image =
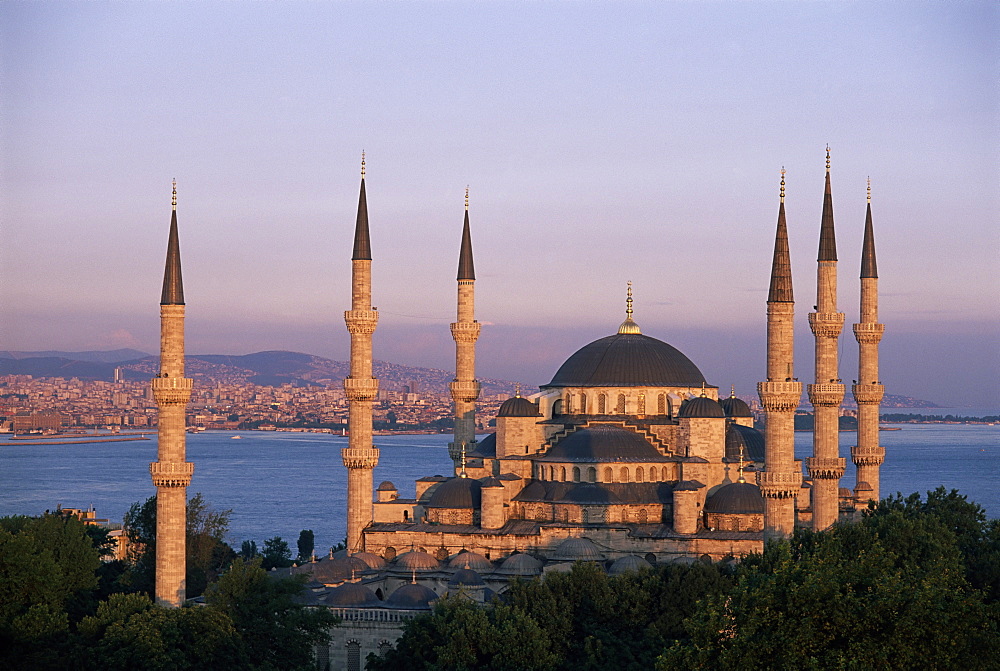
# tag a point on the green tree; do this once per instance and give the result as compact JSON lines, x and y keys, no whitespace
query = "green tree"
{"x":276,"y":554}
{"x":275,"y":631}
{"x":248,"y":550}
{"x":306,"y":544}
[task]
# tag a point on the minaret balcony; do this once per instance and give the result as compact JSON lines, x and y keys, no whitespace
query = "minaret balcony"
{"x":361,"y":322}
{"x":172,"y":390}
{"x":868,"y":394}
{"x":826,"y":468}
{"x":869,"y":334}
{"x":779,"y":485}
{"x":780,"y":396}
{"x":868,"y":455}
{"x":465,"y":332}
{"x":360,"y":457}
{"x":826,"y":394}
{"x":464,"y":390}
{"x":826,"y":324}
{"x":360,"y":388}
{"x":171,"y":473}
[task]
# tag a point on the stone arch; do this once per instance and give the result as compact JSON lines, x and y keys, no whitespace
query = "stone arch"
{"x":384,"y":646}
{"x":591,"y":474}
{"x":557,"y":407}
{"x":643,"y":516}
{"x":562,"y":470}
{"x":441,"y":554}
{"x":583,"y":404}
{"x":576,"y":474}
{"x":663,"y":474}
{"x":602,"y":404}
{"x":639,"y":474}
{"x":623,"y":476}
{"x":620,"y":405}
{"x":353,"y":655}
{"x":568,"y":404}
{"x":609,"y":474}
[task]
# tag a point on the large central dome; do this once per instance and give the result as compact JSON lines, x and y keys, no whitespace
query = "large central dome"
{"x":627,"y":360}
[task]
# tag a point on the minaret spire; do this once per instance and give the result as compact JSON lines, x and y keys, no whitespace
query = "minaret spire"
{"x":465,"y":331}
{"x":781,"y":479}
{"x":826,"y":465}
{"x":171,"y":473}
{"x":629,"y":326}
{"x":868,"y":455}
{"x":360,"y":387}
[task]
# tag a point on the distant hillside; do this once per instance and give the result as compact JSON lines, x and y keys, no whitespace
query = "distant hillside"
{"x":111,"y":356}
{"x":262,"y":368}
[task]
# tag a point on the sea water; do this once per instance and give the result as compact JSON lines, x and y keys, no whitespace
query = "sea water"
{"x":278,"y":483}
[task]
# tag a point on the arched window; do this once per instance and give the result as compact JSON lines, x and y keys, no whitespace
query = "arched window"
{"x":608,"y":475}
{"x":353,"y":656}
{"x":390,"y":554}
{"x":583,"y":404}
{"x":638,"y":474}
{"x":406,"y":515}
{"x":624,"y":475}
{"x":620,"y":408}
{"x":642,"y":516}
{"x":384,"y":646}
{"x":557,"y":407}
{"x":642,"y":404}
{"x":591,"y":474}
{"x":602,"y":404}
{"x":562,"y":470}
{"x":585,"y":516}
{"x":576,"y":474}
{"x":661,"y":404}
{"x":568,"y":404}
{"x":663,"y":471}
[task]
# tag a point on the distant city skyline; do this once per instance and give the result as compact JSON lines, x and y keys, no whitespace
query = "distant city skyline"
{"x":601,"y":144}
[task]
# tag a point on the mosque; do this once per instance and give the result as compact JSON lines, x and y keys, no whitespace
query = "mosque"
{"x":627,"y":457}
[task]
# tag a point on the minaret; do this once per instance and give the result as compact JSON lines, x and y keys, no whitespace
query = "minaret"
{"x":780,"y":480}
{"x":867,"y":454}
{"x":826,"y":465}
{"x":360,"y":456}
{"x":464,"y":388}
{"x":170,"y":472}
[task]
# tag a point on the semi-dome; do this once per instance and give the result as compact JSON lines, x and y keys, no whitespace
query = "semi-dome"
{"x":735,"y":407}
{"x":520,"y":564}
{"x":518,"y":407}
{"x":352,"y":594}
{"x":702,"y":407}
{"x":627,"y":360}
{"x":412,"y":596}
{"x":414,"y":560}
{"x":456,"y":493}
{"x":485,"y":448}
{"x":578,"y":549}
{"x":746,"y":441}
{"x":473,"y":560}
{"x":736,"y":498}
{"x":603,"y":443}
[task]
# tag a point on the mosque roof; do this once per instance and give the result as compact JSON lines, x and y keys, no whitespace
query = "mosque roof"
{"x":701,"y":407}
{"x":603,"y":443}
{"x":473,"y":560}
{"x":352,"y":594}
{"x":578,"y":549}
{"x":485,"y":448}
{"x":467,"y":577}
{"x":415,"y":560}
{"x":386,"y":486}
{"x":628,"y":563}
{"x":597,"y":493}
{"x":735,"y":407}
{"x":749,"y":438}
{"x":456,"y":493}
{"x":520,"y":564}
{"x":736,"y":498}
{"x":627,"y":360}
{"x":373,"y":560}
{"x":411,"y":596}
{"x":518,"y":407}
{"x":329,"y":571}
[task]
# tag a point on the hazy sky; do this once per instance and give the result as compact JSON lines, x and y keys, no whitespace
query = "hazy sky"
{"x":601,"y":142}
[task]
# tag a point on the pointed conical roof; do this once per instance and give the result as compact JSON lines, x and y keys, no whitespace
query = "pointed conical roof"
{"x":868,"y":266}
{"x":466,"y":270}
{"x":173,"y":287}
{"x":827,"y":236}
{"x":362,"y":243}
{"x":781,"y":265}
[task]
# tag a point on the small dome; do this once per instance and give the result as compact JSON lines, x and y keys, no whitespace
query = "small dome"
{"x":412,"y":596}
{"x":736,"y":498}
{"x":373,"y":560}
{"x":352,"y":594}
{"x":747,"y":439}
{"x":845,"y":493}
{"x":520,"y":564}
{"x":473,"y":560}
{"x":603,"y":443}
{"x":629,"y":563}
{"x":456,"y":493}
{"x":485,"y":448}
{"x":386,"y":486}
{"x":328,"y":571}
{"x":627,"y":360}
{"x":578,"y":549}
{"x":416,"y":561}
{"x":735,"y":407}
{"x":467,"y":577}
{"x":518,"y":407}
{"x":701,"y":407}
{"x":863,"y":487}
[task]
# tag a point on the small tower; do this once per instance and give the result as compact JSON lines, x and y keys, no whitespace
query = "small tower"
{"x":868,"y":455}
{"x":171,"y":473}
{"x":780,"y":480}
{"x":465,"y":330}
{"x":360,"y":387}
{"x":826,"y":465}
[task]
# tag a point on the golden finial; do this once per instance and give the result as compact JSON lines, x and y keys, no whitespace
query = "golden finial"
{"x":782,"y":184}
{"x":869,"y":190}
{"x":517,"y":390}
{"x":466,"y":197}
{"x":629,"y":326}
{"x":742,"y":479}
{"x":173,"y":199}
{"x":732,"y":391}
{"x":828,"y":157}
{"x":362,"y":164}
{"x":628,"y":301}
{"x":463,"y":474}
{"x":703,"y":394}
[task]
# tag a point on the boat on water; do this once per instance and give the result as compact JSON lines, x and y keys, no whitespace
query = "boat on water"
{"x":235,"y":437}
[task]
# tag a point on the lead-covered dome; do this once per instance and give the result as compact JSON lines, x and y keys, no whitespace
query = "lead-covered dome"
{"x":457,"y":492}
{"x":517,"y":406}
{"x":603,"y":443}
{"x":627,"y":360}
{"x":736,"y":498}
